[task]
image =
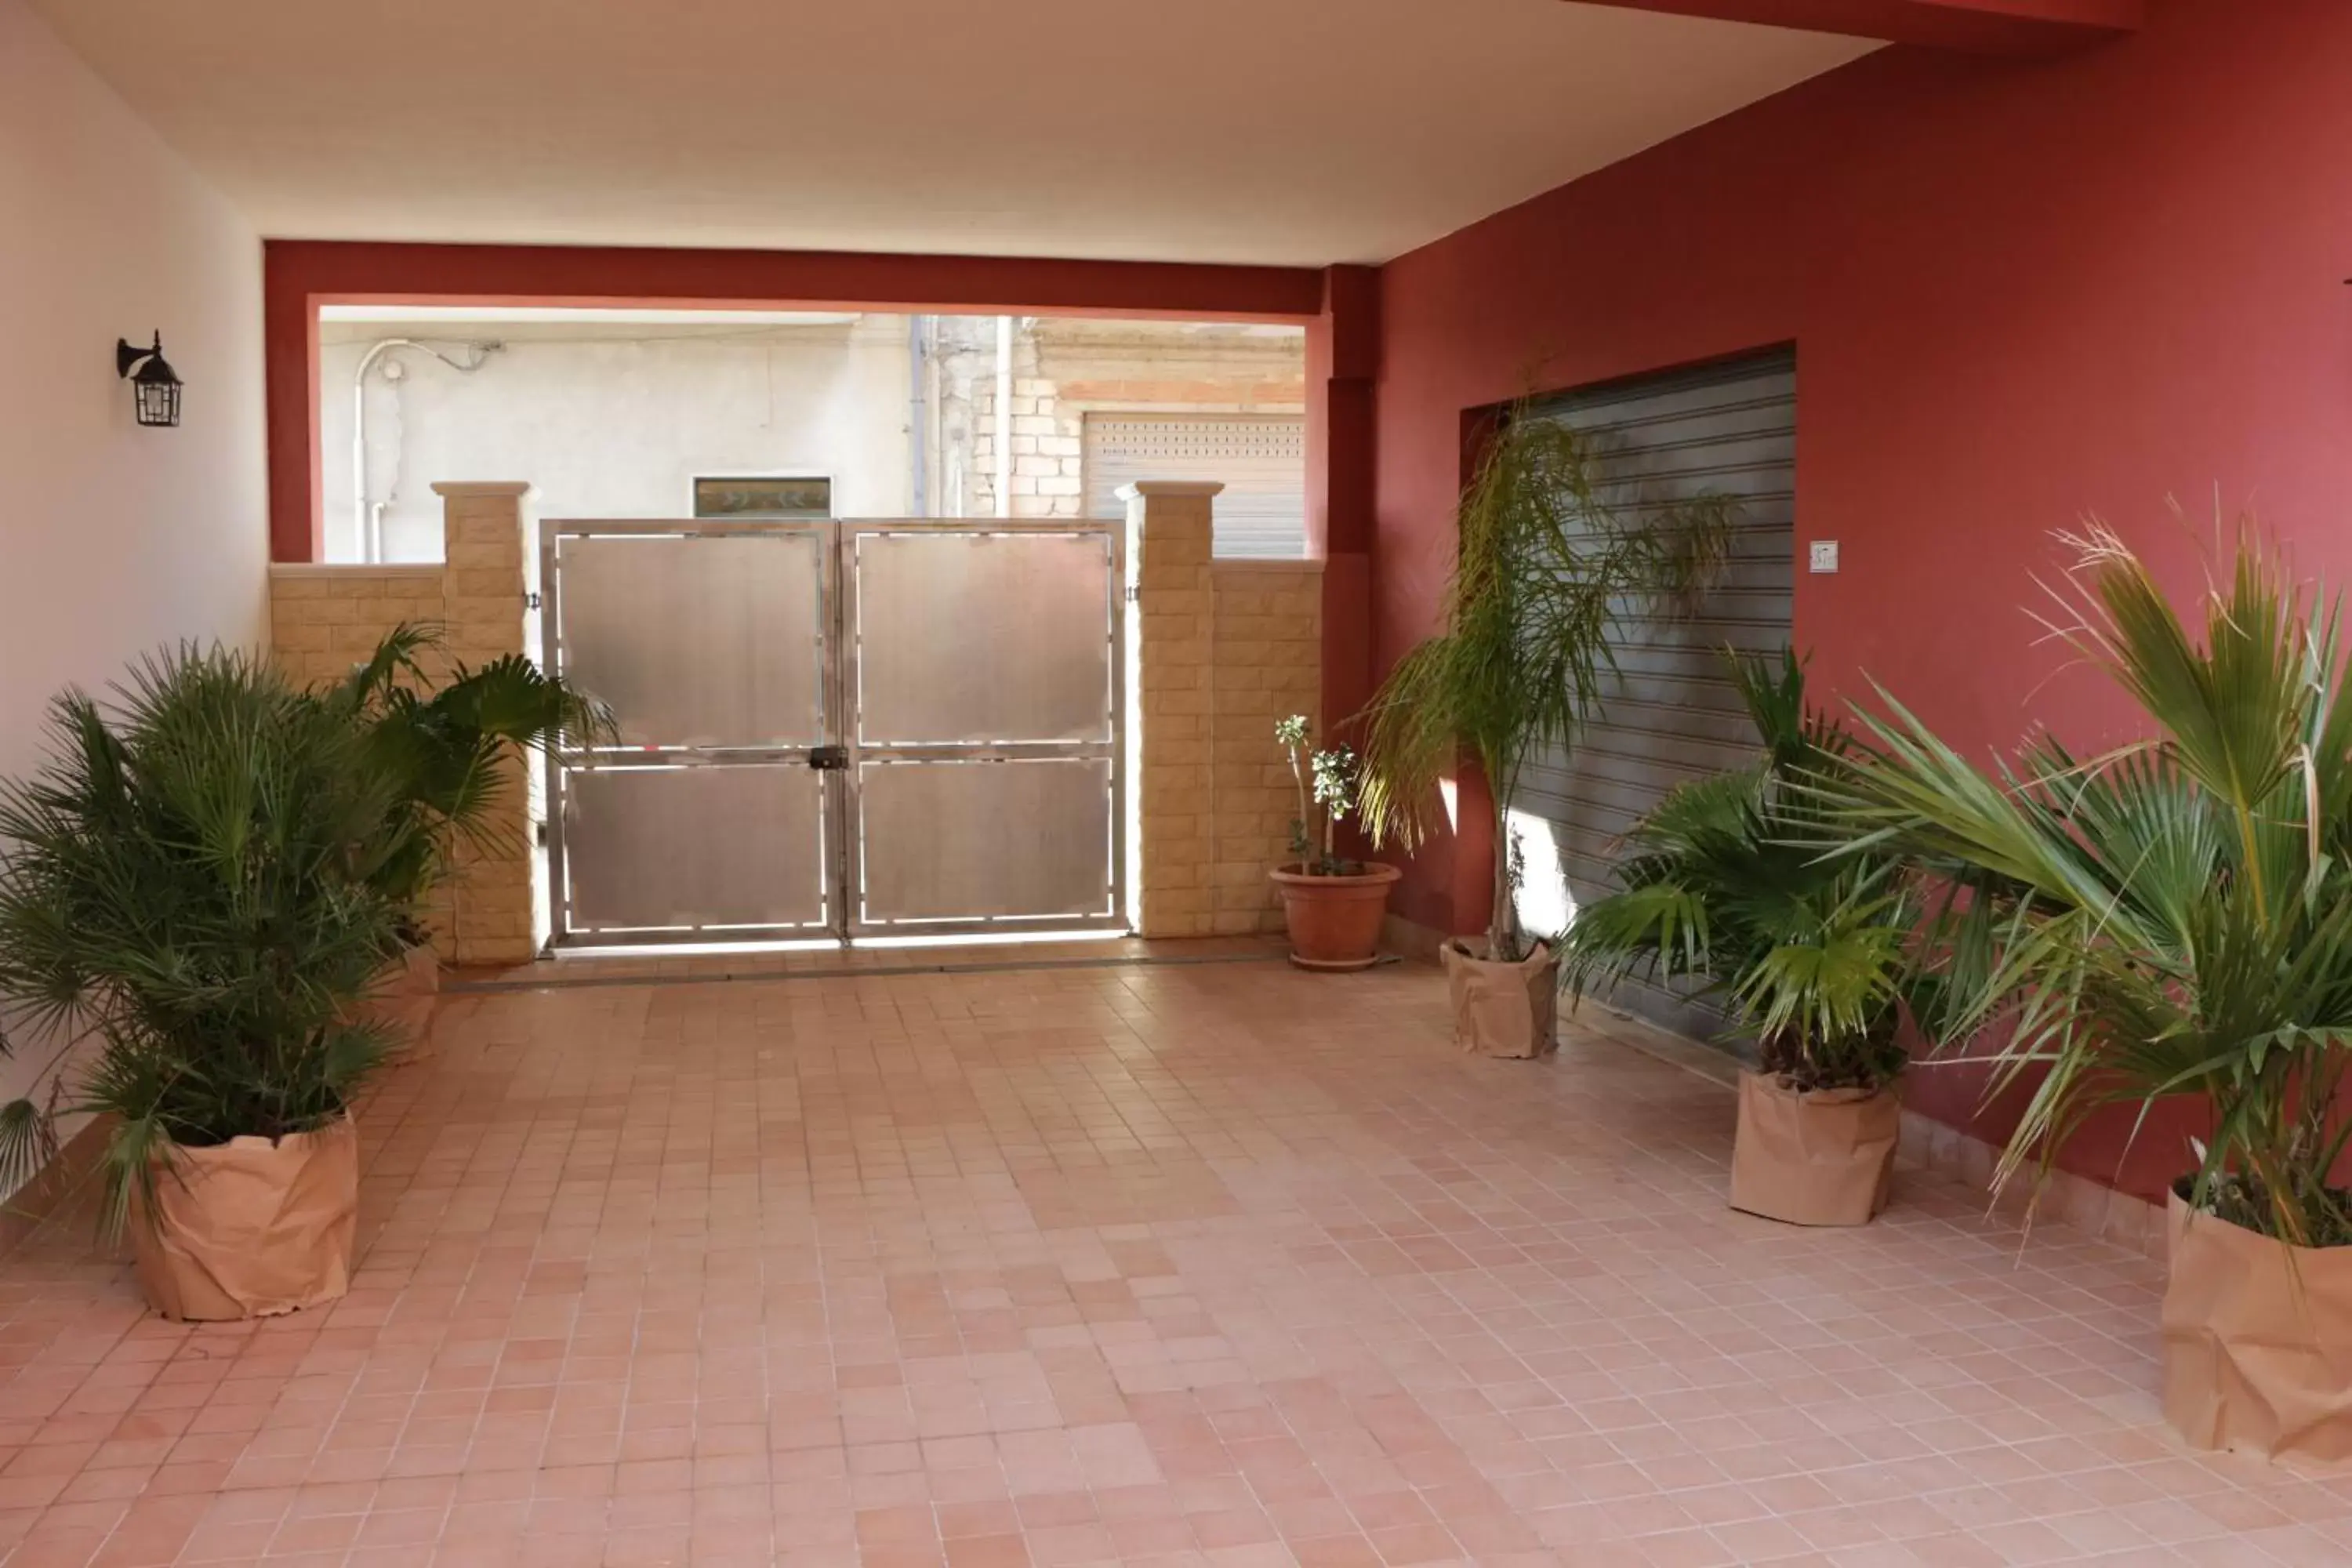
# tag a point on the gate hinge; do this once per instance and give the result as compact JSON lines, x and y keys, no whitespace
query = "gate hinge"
{"x":1133,"y":592}
{"x":530,"y":601}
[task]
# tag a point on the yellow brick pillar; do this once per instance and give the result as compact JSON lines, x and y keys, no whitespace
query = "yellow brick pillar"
{"x":1266,"y":632}
{"x":1169,"y":649}
{"x":482,"y":613}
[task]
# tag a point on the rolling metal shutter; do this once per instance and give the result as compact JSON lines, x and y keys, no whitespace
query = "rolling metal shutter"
{"x":1730,"y":429}
{"x":1261,"y":459}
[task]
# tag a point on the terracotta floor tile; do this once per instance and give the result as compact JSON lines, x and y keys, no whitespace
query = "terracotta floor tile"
{"x":1215,"y":1265}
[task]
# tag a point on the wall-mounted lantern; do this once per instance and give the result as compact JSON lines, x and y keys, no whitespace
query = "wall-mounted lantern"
{"x":154,"y":387}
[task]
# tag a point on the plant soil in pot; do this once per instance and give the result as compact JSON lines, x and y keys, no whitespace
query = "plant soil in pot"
{"x":1503,"y":1008}
{"x":1821,"y":1156}
{"x":2257,"y":1339}
{"x":1334,"y":918}
{"x":251,"y":1228}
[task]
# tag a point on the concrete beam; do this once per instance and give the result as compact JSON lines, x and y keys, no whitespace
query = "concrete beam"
{"x":1975,"y":26}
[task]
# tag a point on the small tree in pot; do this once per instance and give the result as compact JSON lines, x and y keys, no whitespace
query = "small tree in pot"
{"x":2170,"y":918}
{"x":444,"y":741}
{"x":1724,"y":884}
{"x":1332,"y":906}
{"x":1548,"y":574}
{"x":189,"y":883}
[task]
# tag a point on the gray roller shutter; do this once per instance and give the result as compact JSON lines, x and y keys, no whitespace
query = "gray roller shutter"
{"x":1261,"y":459}
{"x":1731,"y":429}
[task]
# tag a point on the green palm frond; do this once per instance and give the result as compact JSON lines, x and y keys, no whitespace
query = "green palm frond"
{"x":1725,"y":884}
{"x":1548,"y":573}
{"x":2170,"y":918}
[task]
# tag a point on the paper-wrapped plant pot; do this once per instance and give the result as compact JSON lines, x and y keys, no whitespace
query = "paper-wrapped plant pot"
{"x":1822,"y":1158}
{"x":251,"y":1228}
{"x":1335,"y":922}
{"x":1503,"y":1009}
{"x":2257,"y":1339}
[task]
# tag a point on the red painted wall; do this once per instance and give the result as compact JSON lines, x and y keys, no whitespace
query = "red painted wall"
{"x":2019,"y":292}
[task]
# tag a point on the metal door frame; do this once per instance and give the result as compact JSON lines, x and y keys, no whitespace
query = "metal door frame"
{"x":1113,"y":750}
{"x":839,"y":801}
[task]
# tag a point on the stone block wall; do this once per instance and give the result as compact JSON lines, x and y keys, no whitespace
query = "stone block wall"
{"x":325,"y":618}
{"x":1266,"y":635}
{"x":1220,"y":649}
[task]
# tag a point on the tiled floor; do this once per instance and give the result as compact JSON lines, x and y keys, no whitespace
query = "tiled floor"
{"x":1177,"y":1265}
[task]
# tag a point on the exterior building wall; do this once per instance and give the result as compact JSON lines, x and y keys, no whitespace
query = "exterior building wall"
{"x":325,"y":618}
{"x":2018,"y":293}
{"x":617,"y":419}
{"x":1065,"y":369}
{"x":612,"y":421}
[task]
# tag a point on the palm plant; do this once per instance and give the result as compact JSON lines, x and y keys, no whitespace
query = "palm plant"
{"x":1723,"y":887}
{"x":1548,"y":574}
{"x":191,"y":882}
{"x":445,"y":745}
{"x":2172,"y":917}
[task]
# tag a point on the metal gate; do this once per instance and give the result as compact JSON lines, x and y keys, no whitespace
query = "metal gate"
{"x":836,"y":728}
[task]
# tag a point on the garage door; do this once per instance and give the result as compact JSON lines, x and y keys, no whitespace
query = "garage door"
{"x":1261,"y":459}
{"x":1731,"y":429}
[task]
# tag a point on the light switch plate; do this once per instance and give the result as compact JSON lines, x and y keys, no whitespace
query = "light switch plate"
{"x":1825,"y":555}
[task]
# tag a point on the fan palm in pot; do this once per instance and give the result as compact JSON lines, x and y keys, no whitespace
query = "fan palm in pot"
{"x":2172,"y":919}
{"x":1550,"y":571}
{"x":188,"y":894}
{"x":1725,"y":885}
{"x":446,"y":737}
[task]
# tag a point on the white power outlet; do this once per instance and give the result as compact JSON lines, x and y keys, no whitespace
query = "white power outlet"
{"x":1825,"y":555}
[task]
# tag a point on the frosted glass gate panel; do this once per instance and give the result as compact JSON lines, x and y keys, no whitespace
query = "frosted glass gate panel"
{"x":836,"y":728}
{"x":710,"y":815}
{"x":983,"y":725}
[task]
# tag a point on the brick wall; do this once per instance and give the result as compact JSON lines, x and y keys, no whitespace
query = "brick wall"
{"x":1266,"y":632}
{"x":1065,"y":369}
{"x":1222,"y":649}
{"x":323,"y":619}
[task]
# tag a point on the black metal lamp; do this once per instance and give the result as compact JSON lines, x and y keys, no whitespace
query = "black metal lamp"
{"x":154,"y":385}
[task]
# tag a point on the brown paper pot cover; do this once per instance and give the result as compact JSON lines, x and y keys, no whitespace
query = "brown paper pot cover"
{"x":1823,"y":1158}
{"x":249,"y":1228}
{"x":2257,"y":1339}
{"x":1501,"y":1009}
{"x":1335,"y":922}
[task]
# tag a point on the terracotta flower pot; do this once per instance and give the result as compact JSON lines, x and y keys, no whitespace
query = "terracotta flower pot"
{"x":1822,"y":1158}
{"x":1335,"y":922}
{"x":251,"y":1228}
{"x":1503,"y":1009}
{"x":403,"y":998}
{"x":2257,"y":1339}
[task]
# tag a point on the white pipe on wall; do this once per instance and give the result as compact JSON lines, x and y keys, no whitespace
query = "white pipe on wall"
{"x":1004,"y":417}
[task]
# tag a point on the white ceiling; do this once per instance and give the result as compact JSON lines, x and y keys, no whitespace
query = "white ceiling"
{"x":1300,"y":131}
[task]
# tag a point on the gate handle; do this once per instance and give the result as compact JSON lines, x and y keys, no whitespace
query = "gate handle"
{"x":829,"y":759}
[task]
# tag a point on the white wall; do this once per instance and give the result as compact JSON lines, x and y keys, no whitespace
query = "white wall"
{"x":612,"y":421}
{"x":114,"y":540}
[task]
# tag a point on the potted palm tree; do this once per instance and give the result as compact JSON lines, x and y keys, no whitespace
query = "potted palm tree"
{"x":2172,"y":919}
{"x":188,"y":892}
{"x":1724,"y":886}
{"x":1331,"y":905}
{"x":444,"y":739}
{"x":1548,"y":573}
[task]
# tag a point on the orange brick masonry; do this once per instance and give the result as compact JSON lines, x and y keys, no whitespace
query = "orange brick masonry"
{"x":1218,"y":1264}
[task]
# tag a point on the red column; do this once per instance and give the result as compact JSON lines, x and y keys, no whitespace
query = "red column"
{"x":1343,"y":354}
